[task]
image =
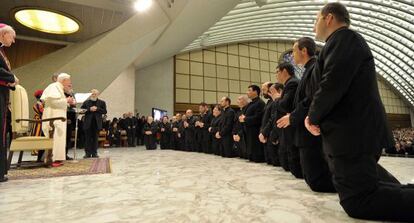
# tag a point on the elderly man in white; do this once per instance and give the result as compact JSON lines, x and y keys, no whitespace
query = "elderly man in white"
{"x":56,"y":105}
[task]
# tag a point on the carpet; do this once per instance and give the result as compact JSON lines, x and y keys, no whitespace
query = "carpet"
{"x":83,"y":167}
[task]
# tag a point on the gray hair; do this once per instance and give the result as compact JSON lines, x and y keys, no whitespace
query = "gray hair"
{"x":62,"y":77}
{"x":7,"y":29}
{"x":245,"y":98}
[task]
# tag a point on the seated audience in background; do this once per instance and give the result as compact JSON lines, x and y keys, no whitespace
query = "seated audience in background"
{"x":114,"y":133}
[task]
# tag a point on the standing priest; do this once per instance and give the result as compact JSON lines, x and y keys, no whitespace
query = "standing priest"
{"x":95,"y":109}
{"x":252,"y":120}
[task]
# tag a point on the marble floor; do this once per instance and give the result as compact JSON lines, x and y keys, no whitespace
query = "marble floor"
{"x":172,"y":186}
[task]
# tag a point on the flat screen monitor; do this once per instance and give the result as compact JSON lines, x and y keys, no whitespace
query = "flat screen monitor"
{"x":158,"y":113}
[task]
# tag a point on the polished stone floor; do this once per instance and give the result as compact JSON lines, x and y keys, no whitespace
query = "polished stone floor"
{"x":172,"y":186}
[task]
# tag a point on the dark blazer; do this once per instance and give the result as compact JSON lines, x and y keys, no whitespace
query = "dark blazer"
{"x":94,"y":116}
{"x":347,"y":106}
{"x":254,"y":113}
{"x":267,"y":114}
{"x":270,"y":129}
{"x":227,"y":124}
{"x":303,"y":99}
{"x":285,"y":105}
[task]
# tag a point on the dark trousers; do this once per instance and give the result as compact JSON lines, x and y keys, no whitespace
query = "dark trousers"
{"x":271,"y":154}
{"x":226,"y":146}
{"x":315,"y":168}
{"x":283,"y":157}
{"x":131,"y":137}
{"x":91,"y":141}
{"x":69,"y":129}
{"x":294,"y":161}
{"x":3,"y":161}
{"x":363,"y":194}
{"x":3,"y":127}
{"x":138,"y":139}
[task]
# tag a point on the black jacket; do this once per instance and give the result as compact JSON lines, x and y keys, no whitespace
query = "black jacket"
{"x":347,"y":105}
{"x":267,"y":114}
{"x":285,"y":105}
{"x":227,"y":124}
{"x":94,"y":116}
{"x":254,"y":113}
{"x":303,"y":99}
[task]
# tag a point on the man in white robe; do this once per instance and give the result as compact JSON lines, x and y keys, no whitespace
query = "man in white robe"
{"x":56,"y":105}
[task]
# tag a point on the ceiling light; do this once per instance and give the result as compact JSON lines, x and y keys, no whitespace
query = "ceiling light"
{"x":142,"y":5}
{"x":46,"y":21}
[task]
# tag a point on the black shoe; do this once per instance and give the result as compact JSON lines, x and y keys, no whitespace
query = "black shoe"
{"x":4,"y":179}
{"x":69,"y":158}
{"x":87,"y":156}
{"x":95,"y":156}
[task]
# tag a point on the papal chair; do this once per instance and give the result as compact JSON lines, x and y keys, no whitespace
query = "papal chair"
{"x":22,"y":141}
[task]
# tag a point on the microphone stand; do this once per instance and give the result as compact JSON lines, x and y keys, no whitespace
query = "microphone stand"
{"x":77,"y":113}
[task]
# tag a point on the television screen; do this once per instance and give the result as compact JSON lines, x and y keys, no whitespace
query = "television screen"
{"x":158,"y":113}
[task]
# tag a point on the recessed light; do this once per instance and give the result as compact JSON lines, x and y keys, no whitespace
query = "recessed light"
{"x":142,"y":5}
{"x":46,"y":21}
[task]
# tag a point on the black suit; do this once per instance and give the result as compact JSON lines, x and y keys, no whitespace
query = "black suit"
{"x":269,"y":148}
{"x":174,"y":135}
{"x":252,"y":123}
{"x":287,"y":148}
{"x":70,"y":124}
{"x":205,"y":137}
{"x":226,"y":146}
{"x":348,"y":108}
{"x":272,"y":133}
{"x":314,"y":166}
{"x":189,"y":135}
{"x":238,"y":129}
{"x":92,"y":125}
{"x":216,"y":123}
{"x":166,"y":131}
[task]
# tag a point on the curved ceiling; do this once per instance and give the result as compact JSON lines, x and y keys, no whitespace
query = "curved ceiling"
{"x":388,"y":27}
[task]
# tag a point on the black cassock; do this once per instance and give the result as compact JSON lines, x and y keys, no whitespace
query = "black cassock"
{"x":130,"y":125}
{"x":190,"y":143}
{"x":215,"y":127}
{"x":314,"y":166}
{"x":174,"y":141}
{"x":268,"y":147}
{"x":5,"y":77}
{"x":287,"y":148}
{"x":348,"y":108}
{"x":181,"y":138}
{"x":252,"y":122}
{"x":166,"y":131}
{"x":204,"y":135}
{"x":226,"y":148}
{"x":272,"y":133}
{"x":238,"y":129}
{"x":197,"y":135}
{"x":150,"y":141}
